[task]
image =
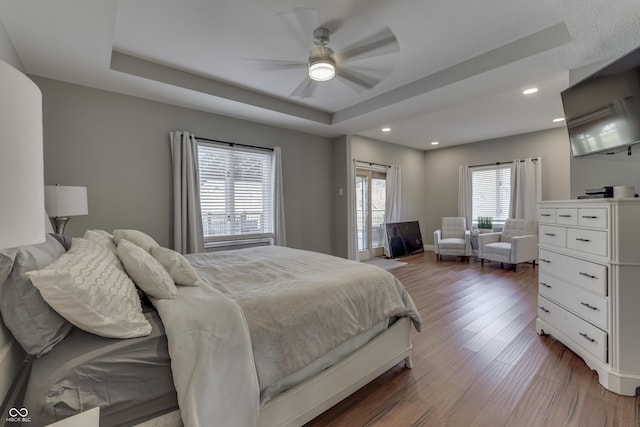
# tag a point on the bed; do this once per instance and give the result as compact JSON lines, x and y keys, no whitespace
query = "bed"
{"x":266,"y":336}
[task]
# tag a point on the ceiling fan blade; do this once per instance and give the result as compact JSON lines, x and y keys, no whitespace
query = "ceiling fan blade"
{"x":301,"y":21}
{"x":276,"y":64}
{"x":356,"y":81}
{"x":304,"y":89}
{"x":381,"y":43}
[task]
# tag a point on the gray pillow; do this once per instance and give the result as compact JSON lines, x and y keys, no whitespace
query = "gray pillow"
{"x":34,"y":324}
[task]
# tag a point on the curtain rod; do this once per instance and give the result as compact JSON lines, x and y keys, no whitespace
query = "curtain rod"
{"x":534,"y":159}
{"x":233,"y":144}
{"x":371,"y":163}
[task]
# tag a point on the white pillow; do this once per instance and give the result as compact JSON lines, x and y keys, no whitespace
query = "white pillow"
{"x":88,"y":290}
{"x":136,"y":237}
{"x":149,"y":274}
{"x":101,"y":237}
{"x":177,"y":265}
{"x":80,"y":245}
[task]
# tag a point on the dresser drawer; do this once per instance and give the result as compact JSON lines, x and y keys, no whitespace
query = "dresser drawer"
{"x":588,"y":275}
{"x":592,"y":218}
{"x":590,"y":307}
{"x":553,"y":235}
{"x":590,"y":241}
{"x":585,"y":335}
{"x":547,"y":215}
{"x":567,"y":216}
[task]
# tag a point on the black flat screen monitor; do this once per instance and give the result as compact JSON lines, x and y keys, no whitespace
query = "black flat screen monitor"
{"x":404,"y":238}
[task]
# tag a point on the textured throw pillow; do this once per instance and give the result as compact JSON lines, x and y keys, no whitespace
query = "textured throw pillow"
{"x":101,"y":237}
{"x":90,"y":291}
{"x":146,"y":272}
{"x":136,"y":237}
{"x":177,"y":265}
{"x":33,"y":323}
{"x":80,"y":245}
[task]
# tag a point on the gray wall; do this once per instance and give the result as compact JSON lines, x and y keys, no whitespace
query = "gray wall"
{"x":118,"y":146}
{"x":441,"y":169}
{"x":598,"y":170}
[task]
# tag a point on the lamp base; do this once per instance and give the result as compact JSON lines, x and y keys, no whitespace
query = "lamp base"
{"x":60,"y":223}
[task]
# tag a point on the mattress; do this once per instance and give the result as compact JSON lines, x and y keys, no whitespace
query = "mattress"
{"x":129,"y":379}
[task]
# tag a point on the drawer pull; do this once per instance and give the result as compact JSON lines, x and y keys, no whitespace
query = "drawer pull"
{"x":545,"y":285}
{"x":545,"y":214}
{"x":543,"y":309}
{"x":589,"y":217}
{"x":550,"y":234}
{"x":586,"y":337}
{"x":545,"y":260}
{"x":580,"y":239}
{"x":590,"y":306}
{"x":564,"y":216}
{"x":590,"y":276}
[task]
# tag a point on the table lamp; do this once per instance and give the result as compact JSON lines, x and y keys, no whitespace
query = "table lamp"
{"x":64,"y":201}
{"x":21,"y":161}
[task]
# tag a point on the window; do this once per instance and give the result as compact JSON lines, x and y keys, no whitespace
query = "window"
{"x":235,"y":193}
{"x":491,"y":189}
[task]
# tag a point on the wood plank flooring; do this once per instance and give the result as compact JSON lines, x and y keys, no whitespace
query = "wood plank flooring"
{"x":479,"y":361}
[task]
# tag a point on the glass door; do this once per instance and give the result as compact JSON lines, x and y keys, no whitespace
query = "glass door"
{"x":370,"y":201}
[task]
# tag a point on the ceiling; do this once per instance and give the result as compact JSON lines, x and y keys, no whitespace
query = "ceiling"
{"x":458,"y":76}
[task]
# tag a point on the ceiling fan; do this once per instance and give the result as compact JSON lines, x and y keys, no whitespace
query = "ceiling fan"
{"x":324,"y":64}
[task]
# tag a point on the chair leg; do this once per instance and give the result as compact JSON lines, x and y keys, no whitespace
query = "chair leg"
{"x":534,"y":263}
{"x":481,"y":262}
{"x":515,"y":266}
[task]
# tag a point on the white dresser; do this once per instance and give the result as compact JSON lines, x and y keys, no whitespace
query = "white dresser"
{"x":589,"y":284}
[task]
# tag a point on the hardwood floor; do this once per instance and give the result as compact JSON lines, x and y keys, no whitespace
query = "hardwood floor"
{"x":479,"y":361}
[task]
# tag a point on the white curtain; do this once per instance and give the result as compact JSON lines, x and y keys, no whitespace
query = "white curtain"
{"x":187,"y":216}
{"x":279,"y":235}
{"x":465,"y":195}
{"x":526,"y":188}
{"x":352,"y":243}
{"x":392,"y":201}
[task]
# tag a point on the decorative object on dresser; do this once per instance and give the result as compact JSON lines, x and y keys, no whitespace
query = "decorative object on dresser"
{"x":62,"y":202}
{"x":588,"y":285}
{"x":452,"y":238}
{"x":518,"y":242}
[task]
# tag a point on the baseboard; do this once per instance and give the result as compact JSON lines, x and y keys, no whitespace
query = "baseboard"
{"x":429,"y":248}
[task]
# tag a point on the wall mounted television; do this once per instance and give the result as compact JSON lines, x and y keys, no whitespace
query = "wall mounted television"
{"x":404,"y":238}
{"x":602,"y":111}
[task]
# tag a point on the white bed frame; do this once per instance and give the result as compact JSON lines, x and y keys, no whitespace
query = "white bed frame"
{"x":295,"y":406}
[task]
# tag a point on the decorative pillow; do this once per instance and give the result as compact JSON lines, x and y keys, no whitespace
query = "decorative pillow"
{"x":101,"y":237}
{"x":80,"y":245}
{"x":90,"y":291}
{"x":33,"y":323}
{"x":136,"y":237}
{"x":177,"y":265}
{"x":149,"y":274}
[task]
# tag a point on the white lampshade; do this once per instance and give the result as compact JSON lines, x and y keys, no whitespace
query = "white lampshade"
{"x":21,"y":164}
{"x":65,"y":200}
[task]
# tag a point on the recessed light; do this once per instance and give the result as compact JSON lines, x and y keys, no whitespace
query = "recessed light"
{"x":386,"y":129}
{"x":530,"y":91}
{"x":435,"y":143}
{"x":559,"y":119}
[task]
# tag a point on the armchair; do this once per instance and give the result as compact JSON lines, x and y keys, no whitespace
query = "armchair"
{"x":452,"y":238}
{"x":518,"y":242}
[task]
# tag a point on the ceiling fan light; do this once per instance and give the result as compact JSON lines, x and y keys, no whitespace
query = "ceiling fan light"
{"x":322,"y":69}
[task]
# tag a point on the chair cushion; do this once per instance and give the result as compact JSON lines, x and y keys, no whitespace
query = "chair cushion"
{"x":452,"y":243}
{"x":517,"y":227}
{"x":453,"y":227}
{"x":501,"y":249}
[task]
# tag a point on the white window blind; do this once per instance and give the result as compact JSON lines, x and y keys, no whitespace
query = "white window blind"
{"x":491,"y":188}
{"x":235,"y":192}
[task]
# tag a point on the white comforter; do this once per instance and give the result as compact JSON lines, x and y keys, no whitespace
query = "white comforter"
{"x":262,"y":314}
